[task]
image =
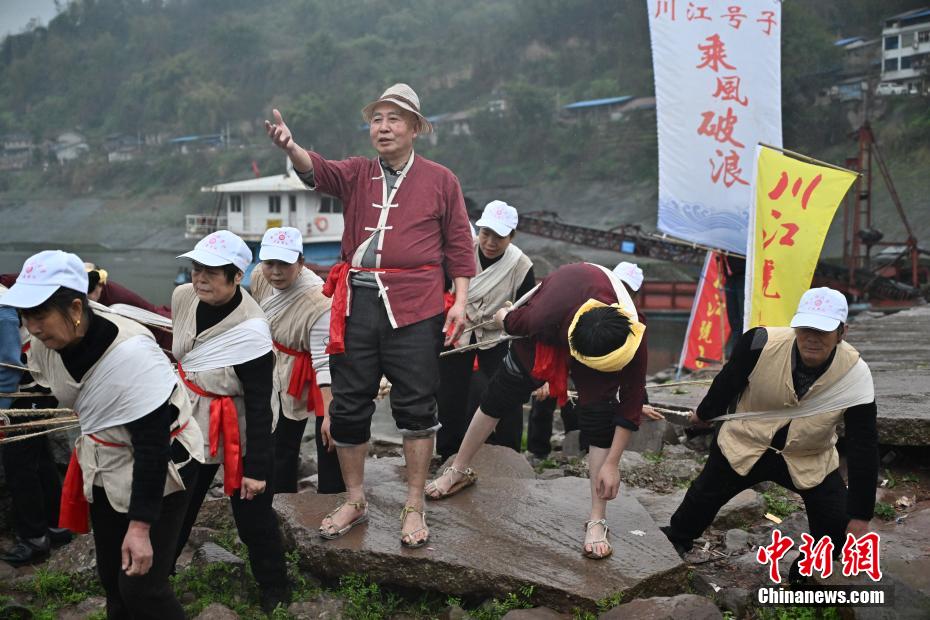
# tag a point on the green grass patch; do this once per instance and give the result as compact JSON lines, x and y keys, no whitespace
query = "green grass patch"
{"x":885,"y":511}
{"x":495,"y":609}
{"x":654,"y":457}
{"x":778,"y":503}
{"x":52,"y":591}
{"x":798,"y":613}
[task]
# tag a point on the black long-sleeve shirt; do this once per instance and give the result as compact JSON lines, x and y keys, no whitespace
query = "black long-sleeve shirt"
{"x":150,"y":434}
{"x":256,"y":378}
{"x":859,"y":421}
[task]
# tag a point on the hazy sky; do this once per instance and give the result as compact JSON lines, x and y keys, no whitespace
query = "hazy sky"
{"x":14,"y":14}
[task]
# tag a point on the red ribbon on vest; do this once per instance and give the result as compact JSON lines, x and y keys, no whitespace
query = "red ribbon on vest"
{"x":551,"y":364}
{"x":337,"y":287}
{"x":303,"y":375}
{"x":74,"y":510}
{"x":224,"y":420}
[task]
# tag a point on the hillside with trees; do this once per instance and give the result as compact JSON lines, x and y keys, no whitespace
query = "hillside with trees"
{"x":156,"y":70}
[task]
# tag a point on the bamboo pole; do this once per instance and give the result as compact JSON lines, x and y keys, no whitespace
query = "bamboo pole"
{"x":38,"y":424}
{"x":16,"y":413}
{"x":809,"y":160}
{"x":18,"y":367}
{"x":6,"y":440}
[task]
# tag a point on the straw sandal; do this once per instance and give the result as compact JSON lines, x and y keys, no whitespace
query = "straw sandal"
{"x":407,"y":540}
{"x":603,"y":540}
{"x":327,"y":530}
{"x":469,"y":478}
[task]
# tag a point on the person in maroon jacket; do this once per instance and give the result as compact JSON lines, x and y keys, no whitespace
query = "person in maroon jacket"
{"x":580,"y":322}
{"x":406,"y":229}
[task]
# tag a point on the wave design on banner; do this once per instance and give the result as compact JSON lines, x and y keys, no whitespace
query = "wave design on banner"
{"x":698,"y":222}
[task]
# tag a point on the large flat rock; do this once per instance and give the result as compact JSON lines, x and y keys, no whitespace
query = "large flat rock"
{"x":897,"y":349}
{"x":497,"y":537}
{"x":905,"y":563}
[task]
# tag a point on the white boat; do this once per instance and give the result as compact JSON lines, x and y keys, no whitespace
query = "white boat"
{"x":249,"y":208}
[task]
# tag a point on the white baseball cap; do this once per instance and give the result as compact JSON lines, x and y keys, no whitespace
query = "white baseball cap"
{"x":822,"y":309}
{"x":631,"y":274}
{"x":499,"y":217}
{"x":42,"y":275}
{"x":221,"y":248}
{"x":284,"y":244}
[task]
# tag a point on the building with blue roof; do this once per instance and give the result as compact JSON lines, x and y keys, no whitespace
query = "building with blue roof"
{"x":906,"y":51}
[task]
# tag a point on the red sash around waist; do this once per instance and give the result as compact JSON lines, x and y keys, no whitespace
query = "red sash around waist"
{"x":224,"y":420}
{"x":337,"y":287}
{"x":303,"y":375}
{"x":74,"y":511}
{"x":551,"y":364}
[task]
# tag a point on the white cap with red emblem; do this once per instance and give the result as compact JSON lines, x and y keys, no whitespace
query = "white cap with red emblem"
{"x":221,"y":248}
{"x":821,"y":308}
{"x":284,"y":244}
{"x":42,"y":275}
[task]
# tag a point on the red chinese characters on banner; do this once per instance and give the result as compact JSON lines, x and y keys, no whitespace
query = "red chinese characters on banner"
{"x":708,"y":329}
{"x":768,"y":19}
{"x":734,"y":16}
{"x":724,"y":168}
{"x":665,"y":8}
{"x":714,"y":54}
{"x":695,"y":12}
{"x":727,"y":167}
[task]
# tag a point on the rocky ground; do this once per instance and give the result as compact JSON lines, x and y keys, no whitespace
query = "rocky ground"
{"x":720,"y":577}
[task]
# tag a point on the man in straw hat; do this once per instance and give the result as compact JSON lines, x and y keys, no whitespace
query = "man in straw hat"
{"x":405,"y":229}
{"x":782,"y":394}
{"x":579,"y":322}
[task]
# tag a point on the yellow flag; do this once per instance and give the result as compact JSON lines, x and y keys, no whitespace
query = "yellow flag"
{"x":794,"y":203}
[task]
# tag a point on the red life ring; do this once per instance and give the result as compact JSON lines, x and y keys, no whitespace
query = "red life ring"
{"x":321,"y":223}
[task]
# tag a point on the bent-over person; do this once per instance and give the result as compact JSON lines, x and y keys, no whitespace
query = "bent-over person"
{"x":137,"y":453}
{"x":795,"y":385}
{"x":580,"y":322}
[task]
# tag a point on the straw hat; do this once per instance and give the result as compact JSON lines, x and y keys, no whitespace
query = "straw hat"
{"x":402,"y":96}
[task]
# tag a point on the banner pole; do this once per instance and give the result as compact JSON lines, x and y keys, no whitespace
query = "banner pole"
{"x":809,"y":160}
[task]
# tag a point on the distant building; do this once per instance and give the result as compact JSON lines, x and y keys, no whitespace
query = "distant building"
{"x":450,"y":124}
{"x":906,"y":52}
{"x":122,"y":147}
{"x":597,"y":110}
{"x":15,"y":151}
{"x":69,"y":146}
{"x":188,"y":144}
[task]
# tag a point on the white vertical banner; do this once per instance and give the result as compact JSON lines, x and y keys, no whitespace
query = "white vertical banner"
{"x":717,"y":72}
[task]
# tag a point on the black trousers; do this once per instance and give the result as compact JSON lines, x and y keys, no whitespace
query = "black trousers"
{"x":34,"y":484}
{"x":539,"y":425}
{"x":718,"y":483}
{"x":149,"y":595}
{"x":409,"y":358}
{"x":456,"y":374}
{"x":256,"y":523}
{"x":287,"y":437}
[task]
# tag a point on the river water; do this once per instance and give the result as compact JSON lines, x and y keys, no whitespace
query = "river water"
{"x":151,"y":273}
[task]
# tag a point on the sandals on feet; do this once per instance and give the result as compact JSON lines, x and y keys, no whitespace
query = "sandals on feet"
{"x":407,"y":540}
{"x":469,"y":477}
{"x":330,"y":533}
{"x":603,"y":540}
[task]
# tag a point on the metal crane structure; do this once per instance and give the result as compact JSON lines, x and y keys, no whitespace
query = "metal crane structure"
{"x":859,"y":234}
